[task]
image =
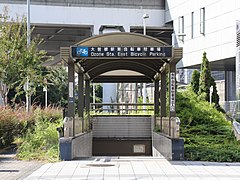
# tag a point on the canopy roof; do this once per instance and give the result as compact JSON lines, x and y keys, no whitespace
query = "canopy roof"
{"x":121,"y":39}
{"x":96,"y":68}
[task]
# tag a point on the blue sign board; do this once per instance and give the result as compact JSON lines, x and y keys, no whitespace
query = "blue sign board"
{"x":127,"y":52}
{"x":82,"y":51}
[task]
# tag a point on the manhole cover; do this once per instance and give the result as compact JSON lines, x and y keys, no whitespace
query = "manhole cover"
{"x":100,"y":165}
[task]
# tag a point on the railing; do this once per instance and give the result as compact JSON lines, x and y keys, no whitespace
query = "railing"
{"x":236,"y":129}
{"x":232,"y":108}
{"x":169,"y":126}
{"x":122,"y":108}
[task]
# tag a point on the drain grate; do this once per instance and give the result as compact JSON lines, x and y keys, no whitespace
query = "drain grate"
{"x":100,"y":165}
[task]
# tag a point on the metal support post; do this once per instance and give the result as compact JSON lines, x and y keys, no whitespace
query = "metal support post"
{"x":163,"y":97}
{"x":81,"y":98}
{"x":156,"y":98}
{"x":28,"y":97}
{"x":87,"y":100}
{"x":71,"y":96}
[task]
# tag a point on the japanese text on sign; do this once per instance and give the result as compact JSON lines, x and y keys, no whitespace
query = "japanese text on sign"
{"x":83,"y":51}
{"x":172,"y":91}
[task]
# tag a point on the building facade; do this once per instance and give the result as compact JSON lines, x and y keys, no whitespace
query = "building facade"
{"x":198,"y":26}
{"x":208,"y":26}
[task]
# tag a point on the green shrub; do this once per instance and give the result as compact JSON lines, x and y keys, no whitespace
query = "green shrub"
{"x":13,"y":123}
{"x":207,"y":134}
{"x":41,"y":142}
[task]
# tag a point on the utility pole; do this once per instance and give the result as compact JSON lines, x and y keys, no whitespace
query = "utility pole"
{"x":145,"y":16}
{"x":28,"y":97}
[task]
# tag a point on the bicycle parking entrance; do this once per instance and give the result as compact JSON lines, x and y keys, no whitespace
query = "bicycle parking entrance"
{"x":91,"y":59}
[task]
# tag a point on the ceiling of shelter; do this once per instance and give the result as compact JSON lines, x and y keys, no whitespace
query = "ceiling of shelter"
{"x":163,"y":33}
{"x":56,"y":36}
{"x":219,"y":65}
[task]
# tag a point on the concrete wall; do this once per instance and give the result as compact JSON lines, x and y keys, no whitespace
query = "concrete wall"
{"x":82,"y":145}
{"x":219,"y":40}
{"x":170,"y":148}
{"x":121,"y":127}
{"x":122,"y":147}
{"x":76,"y":147}
{"x":152,"y":4}
{"x":88,"y":16}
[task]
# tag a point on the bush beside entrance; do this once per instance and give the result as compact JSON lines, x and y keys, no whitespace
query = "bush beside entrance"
{"x":208,"y":135}
{"x":35,"y":133}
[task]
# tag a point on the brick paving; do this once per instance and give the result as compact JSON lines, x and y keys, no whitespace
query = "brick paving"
{"x":12,"y":169}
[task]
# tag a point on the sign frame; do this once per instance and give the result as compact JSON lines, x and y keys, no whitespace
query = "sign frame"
{"x":120,"y":52}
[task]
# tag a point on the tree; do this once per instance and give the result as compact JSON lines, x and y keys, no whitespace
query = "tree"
{"x":57,"y":85}
{"x":98,"y":93}
{"x":205,"y":82}
{"x":18,"y":64}
{"x":215,"y":96}
{"x":195,"y":81}
{"x":205,"y":78}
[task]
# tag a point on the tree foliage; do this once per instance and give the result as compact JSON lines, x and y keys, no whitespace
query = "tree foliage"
{"x":208,"y":136}
{"x":195,"y":81}
{"x":98,"y":93}
{"x":18,"y":64}
{"x":201,"y":83}
{"x":57,"y":85}
{"x":205,"y":78}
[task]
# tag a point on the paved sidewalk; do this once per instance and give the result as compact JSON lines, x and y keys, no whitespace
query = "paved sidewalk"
{"x":128,"y":168}
{"x":12,"y":169}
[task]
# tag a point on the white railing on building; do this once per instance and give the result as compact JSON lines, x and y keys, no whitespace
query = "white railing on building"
{"x":236,"y":129}
{"x":232,"y":108}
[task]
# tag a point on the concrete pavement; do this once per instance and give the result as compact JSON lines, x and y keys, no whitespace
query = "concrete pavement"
{"x":128,"y":168}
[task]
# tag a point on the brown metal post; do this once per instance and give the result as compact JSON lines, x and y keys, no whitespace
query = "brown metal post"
{"x":156,"y":97}
{"x":80,"y":98}
{"x":156,"y":100}
{"x":87,"y":100}
{"x":163,"y":97}
{"x":71,"y":98}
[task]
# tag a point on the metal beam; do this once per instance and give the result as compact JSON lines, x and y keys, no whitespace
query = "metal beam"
{"x":121,"y":79}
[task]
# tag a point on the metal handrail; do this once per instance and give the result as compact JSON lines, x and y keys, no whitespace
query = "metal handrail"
{"x":121,"y":108}
{"x":122,"y":104}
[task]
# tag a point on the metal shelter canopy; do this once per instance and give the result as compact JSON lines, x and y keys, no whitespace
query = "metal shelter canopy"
{"x":147,"y":67}
{"x":151,"y":60}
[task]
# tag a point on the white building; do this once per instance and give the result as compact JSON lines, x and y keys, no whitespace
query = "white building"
{"x":208,"y":26}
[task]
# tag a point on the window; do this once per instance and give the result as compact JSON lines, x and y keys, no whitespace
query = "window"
{"x":192,"y":24}
{"x":202,"y":21}
{"x":180,"y":27}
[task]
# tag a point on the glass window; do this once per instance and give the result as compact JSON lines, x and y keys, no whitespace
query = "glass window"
{"x":180,"y":27}
{"x":192,"y":24}
{"x":202,"y":21}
